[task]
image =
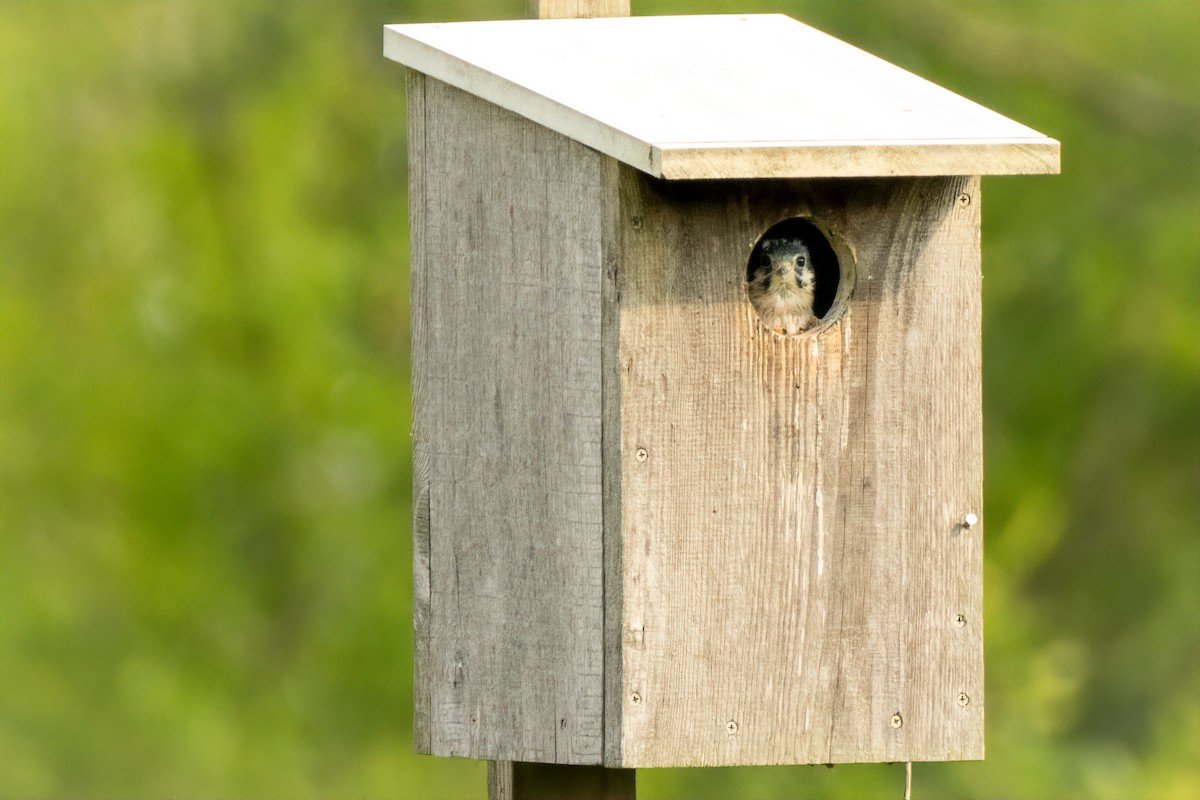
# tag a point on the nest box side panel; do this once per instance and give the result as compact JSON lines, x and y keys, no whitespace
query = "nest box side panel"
{"x":506,"y":298}
{"x":798,"y":586}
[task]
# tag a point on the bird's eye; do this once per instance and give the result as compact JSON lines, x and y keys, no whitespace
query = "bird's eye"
{"x":799,"y":261}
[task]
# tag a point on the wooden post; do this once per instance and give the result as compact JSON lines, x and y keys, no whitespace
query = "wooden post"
{"x":567,"y":9}
{"x":521,"y":780}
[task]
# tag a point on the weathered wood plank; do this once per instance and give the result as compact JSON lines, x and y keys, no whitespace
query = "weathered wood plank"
{"x":512,"y":388}
{"x":509,"y":780}
{"x":420,"y":410}
{"x":942,"y":446}
{"x":793,"y":566}
{"x":500,"y":780}
{"x":567,"y":9}
{"x":723,"y":96}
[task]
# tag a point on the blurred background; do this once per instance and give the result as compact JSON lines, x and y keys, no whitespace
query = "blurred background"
{"x":204,"y":401}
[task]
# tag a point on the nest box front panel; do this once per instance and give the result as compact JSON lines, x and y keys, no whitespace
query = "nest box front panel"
{"x":798,"y":582}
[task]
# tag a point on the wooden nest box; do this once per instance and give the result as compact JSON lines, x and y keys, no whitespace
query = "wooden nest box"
{"x":653,"y":527}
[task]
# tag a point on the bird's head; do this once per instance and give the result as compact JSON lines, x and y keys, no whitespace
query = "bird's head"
{"x":788,"y":260}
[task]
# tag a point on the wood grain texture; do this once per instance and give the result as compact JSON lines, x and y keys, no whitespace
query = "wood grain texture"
{"x":420,"y":410}
{"x":614,"y":575}
{"x":792,"y":556}
{"x":571,"y":9}
{"x":722,"y":96}
{"x":647,"y":531}
{"x":509,"y":780}
{"x":510,"y":388}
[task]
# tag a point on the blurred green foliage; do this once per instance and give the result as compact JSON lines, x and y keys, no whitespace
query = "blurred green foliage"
{"x":204,"y":465}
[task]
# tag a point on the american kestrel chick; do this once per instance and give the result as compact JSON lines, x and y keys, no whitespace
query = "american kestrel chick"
{"x":781,"y":286}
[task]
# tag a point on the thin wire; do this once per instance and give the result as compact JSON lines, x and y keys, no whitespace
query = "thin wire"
{"x":908,"y":781}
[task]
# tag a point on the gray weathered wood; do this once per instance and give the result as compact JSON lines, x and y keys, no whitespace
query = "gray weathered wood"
{"x":509,"y":780}
{"x":564,"y":9}
{"x":648,"y":532}
{"x":510,"y":388}
{"x":786,"y":557}
{"x":420,"y":411}
{"x":500,"y":780}
{"x":792,"y":559}
{"x":525,"y":781}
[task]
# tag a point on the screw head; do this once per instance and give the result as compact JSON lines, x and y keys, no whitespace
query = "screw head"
{"x":641,"y":454}
{"x":964,"y":199}
{"x":960,"y":621}
{"x":963,"y":699}
{"x":731,"y":727}
{"x":897,"y":720}
{"x":636,"y":223}
{"x":635,"y":698}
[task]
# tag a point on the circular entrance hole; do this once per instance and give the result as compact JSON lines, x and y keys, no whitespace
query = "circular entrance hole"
{"x":798,"y":278}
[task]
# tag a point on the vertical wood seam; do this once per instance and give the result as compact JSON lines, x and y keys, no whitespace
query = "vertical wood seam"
{"x":610,"y":437}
